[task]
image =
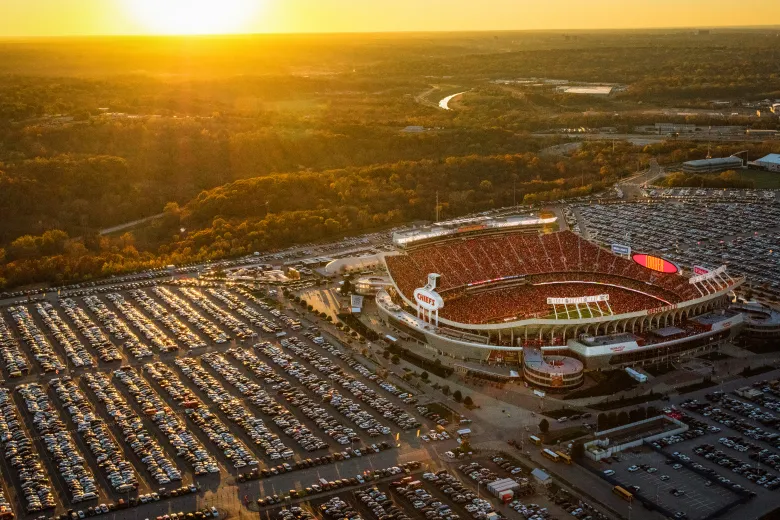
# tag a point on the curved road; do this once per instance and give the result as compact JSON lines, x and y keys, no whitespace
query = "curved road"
{"x":445,"y":103}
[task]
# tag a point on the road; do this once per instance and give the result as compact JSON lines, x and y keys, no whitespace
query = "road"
{"x":131,"y":224}
{"x":653,"y":138}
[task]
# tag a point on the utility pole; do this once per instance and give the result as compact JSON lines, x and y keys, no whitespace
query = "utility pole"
{"x":437,"y":205}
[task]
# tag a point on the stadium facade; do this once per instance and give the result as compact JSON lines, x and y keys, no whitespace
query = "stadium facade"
{"x":491,"y":290}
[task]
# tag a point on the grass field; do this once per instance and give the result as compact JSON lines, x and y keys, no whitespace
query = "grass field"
{"x":572,"y":314}
{"x":762,"y":180}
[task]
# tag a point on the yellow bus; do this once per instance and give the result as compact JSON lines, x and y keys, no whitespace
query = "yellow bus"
{"x":622,"y":493}
{"x":551,"y":455}
{"x":564,"y":458}
{"x":535,"y":440}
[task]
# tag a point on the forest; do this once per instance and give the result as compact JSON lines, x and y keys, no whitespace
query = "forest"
{"x":251,"y":143}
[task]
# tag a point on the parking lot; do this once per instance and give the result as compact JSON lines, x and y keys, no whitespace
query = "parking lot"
{"x":698,"y":499}
{"x":743,"y":236}
{"x":148,"y":386}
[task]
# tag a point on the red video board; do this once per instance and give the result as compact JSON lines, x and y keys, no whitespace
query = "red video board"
{"x":655,"y":263}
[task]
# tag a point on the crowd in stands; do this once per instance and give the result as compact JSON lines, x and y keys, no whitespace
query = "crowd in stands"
{"x":562,"y":256}
{"x":530,"y":301}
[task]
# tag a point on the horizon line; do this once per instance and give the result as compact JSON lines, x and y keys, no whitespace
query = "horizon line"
{"x":400,"y":32}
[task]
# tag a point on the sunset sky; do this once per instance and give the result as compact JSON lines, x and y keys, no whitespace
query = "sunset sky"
{"x":120,"y":17}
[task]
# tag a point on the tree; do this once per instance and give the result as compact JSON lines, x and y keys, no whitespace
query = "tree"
{"x":386,"y":354}
{"x":544,"y":426}
{"x":458,"y":396}
{"x":424,"y":376}
{"x":601,"y":421}
{"x":622,"y":418}
{"x":468,"y":401}
{"x":445,"y":389}
{"x":395,"y":359}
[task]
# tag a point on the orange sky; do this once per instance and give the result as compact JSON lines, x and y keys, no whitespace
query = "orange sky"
{"x":90,"y":17}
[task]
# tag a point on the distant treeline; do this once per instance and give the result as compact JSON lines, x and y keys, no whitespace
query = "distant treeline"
{"x":727,"y":179}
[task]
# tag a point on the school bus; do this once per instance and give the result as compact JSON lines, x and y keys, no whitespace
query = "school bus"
{"x":622,"y":493}
{"x":564,"y":458}
{"x":535,"y":440}
{"x":551,"y":455}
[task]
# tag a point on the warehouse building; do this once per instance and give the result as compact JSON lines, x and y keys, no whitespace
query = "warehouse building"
{"x":719,"y":164}
{"x":771,"y":162}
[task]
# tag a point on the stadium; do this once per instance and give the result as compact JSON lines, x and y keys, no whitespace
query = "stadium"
{"x":488,"y":289}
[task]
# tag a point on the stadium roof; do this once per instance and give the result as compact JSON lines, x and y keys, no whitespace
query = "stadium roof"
{"x":714,"y":162}
{"x":452,"y":227}
{"x":773,"y":158}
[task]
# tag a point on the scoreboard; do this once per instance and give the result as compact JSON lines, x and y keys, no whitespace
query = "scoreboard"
{"x":655,"y":263}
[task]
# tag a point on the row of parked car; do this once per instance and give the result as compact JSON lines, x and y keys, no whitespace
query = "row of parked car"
{"x":336,"y":508}
{"x":54,"y":433}
{"x":747,"y":410}
{"x":36,"y":341}
{"x":537,"y":512}
{"x":147,"y":498}
{"x":234,"y":409}
{"x":148,"y":328}
{"x":768,"y":399}
{"x":749,"y":471}
{"x":567,"y":501}
{"x":14,"y":361}
{"x":160,"y":314}
{"x":186,"y":444}
{"x":186,"y":311}
{"x":294,"y":513}
{"x":321,"y":388}
{"x":741,"y":425}
{"x":423,"y":500}
{"x":6,"y":511}
{"x":364,"y":371}
{"x":253,"y":316}
{"x":70,"y":343}
{"x":21,"y":455}
{"x":118,"y":328}
{"x":233,"y":449}
{"x":140,"y":440}
{"x":322,"y":485}
{"x":434,"y":416}
{"x":756,"y":452}
{"x":93,"y":430}
{"x":240,"y":329}
{"x":381,"y":506}
{"x":258,"y":396}
{"x":106,"y":350}
{"x":357,"y":388}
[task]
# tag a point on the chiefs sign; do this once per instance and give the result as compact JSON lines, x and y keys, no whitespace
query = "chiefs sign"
{"x":428,"y":300}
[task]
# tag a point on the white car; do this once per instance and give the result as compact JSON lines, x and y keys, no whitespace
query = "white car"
{"x":652,"y":470}
{"x":633,"y":468}
{"x":609,"y":472}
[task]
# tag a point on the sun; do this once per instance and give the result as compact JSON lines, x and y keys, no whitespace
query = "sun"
{"x":194,"y":16}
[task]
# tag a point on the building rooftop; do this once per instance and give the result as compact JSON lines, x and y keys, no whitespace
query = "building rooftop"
{"x":714,"y":161}
{"x":773,"y":158}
